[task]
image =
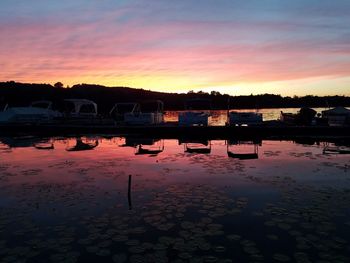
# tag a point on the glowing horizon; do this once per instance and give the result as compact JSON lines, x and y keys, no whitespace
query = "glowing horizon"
{"x":234,"y":47}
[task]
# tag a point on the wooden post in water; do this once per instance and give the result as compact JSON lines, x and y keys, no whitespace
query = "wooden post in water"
{"x":228,"y":112}
{"x":129,"y":192}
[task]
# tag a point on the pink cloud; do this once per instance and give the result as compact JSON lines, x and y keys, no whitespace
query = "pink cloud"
{"x":196,"y":49}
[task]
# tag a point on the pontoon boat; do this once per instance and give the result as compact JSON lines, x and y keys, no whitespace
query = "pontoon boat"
{"x":197,"y":113}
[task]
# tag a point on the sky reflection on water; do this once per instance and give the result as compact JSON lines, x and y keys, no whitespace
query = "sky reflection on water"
{"x":67,"y":199}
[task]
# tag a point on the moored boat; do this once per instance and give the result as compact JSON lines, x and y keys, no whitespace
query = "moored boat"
{"x":196,"y":113}
{"x":338,"y":116}
{"x":37,"y":112}
{"x":120,"y":109}
{"x":151,"y":112}
{"x":305,"y":116}
{"x":80,"y":108}
{"x":244,"y":118}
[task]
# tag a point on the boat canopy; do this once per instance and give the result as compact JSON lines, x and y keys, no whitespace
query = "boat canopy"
{"x":149,"y":113}
{"x":338,"y":116}
{"x":336,"y":111}
{"x":198,"y":104}
{"x":43,"y":104}
{"x":124,"y":107}
{"x":81,"y":107}
{"x":154,"y":106}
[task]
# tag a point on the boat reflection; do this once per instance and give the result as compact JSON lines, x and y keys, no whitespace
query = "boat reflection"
{"x":234,"y":148}
{"x":196,"y":146}
{"x":45,"y":145}
{"x":335,"y":148}
{"x":155,"y":148}
{"x":306,"y":141}
{"x":23,"y":141}
{"x":80,"y":145}
{"x":147,"y":146}
{"x":241,"y":151}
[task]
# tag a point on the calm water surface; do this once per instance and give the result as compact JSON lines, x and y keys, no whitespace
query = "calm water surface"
{"x":109,"y":199}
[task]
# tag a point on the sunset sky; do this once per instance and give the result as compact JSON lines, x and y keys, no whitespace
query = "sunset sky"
{"x":284,"y":47}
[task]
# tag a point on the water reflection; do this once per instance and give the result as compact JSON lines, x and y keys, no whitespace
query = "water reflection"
{"x":45,"y":145}
{"x":336,"y":148}
{"x":23,"y":141}
{"x":129,"y":192}
{"x":154,"y":148}
{"x":143,"y":146}
{"x":82,"y":145}
{"x":243,"y":150}
{"x":196,"y":146}
{"x":247,"y":149}
{"x":290,"y":203}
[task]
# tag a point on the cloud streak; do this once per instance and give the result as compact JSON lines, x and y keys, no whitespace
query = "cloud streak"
{"x":175,"y":46}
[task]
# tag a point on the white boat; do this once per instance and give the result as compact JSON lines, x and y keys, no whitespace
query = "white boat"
{"x":338,"y":116}
{"x":80,"y":108}
{"x":244,"y":118}
{"x":151,"y":112}
{"x":37,"y":112}
{"x":195,"y":113}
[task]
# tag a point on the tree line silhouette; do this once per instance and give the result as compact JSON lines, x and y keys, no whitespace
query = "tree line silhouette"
{"x":22,"y":94}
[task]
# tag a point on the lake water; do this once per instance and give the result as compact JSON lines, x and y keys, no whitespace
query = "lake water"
{"x":96,"y":199}
{"x":219,"y":117}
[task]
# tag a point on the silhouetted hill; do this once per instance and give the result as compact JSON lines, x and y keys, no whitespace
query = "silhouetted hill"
{"x":21,"y":94}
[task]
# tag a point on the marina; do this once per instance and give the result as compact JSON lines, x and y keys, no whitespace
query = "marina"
{"x":175,"y":131}
{"x":149,"y":119}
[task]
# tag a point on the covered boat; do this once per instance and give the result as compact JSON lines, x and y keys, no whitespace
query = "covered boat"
{"x":305,"y":116}
{"x":80,"y":108}
{"x":244,"y":118}
{"x":238,"y":118}
{"x":120,"y":109}
{"x":197,"y":113}
{"x":338,"y":116}
{"x":37,"y":112}
{"x":151,"y":112}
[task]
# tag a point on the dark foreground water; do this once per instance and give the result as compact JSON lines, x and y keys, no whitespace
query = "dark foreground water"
{"x":101,"y":200}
